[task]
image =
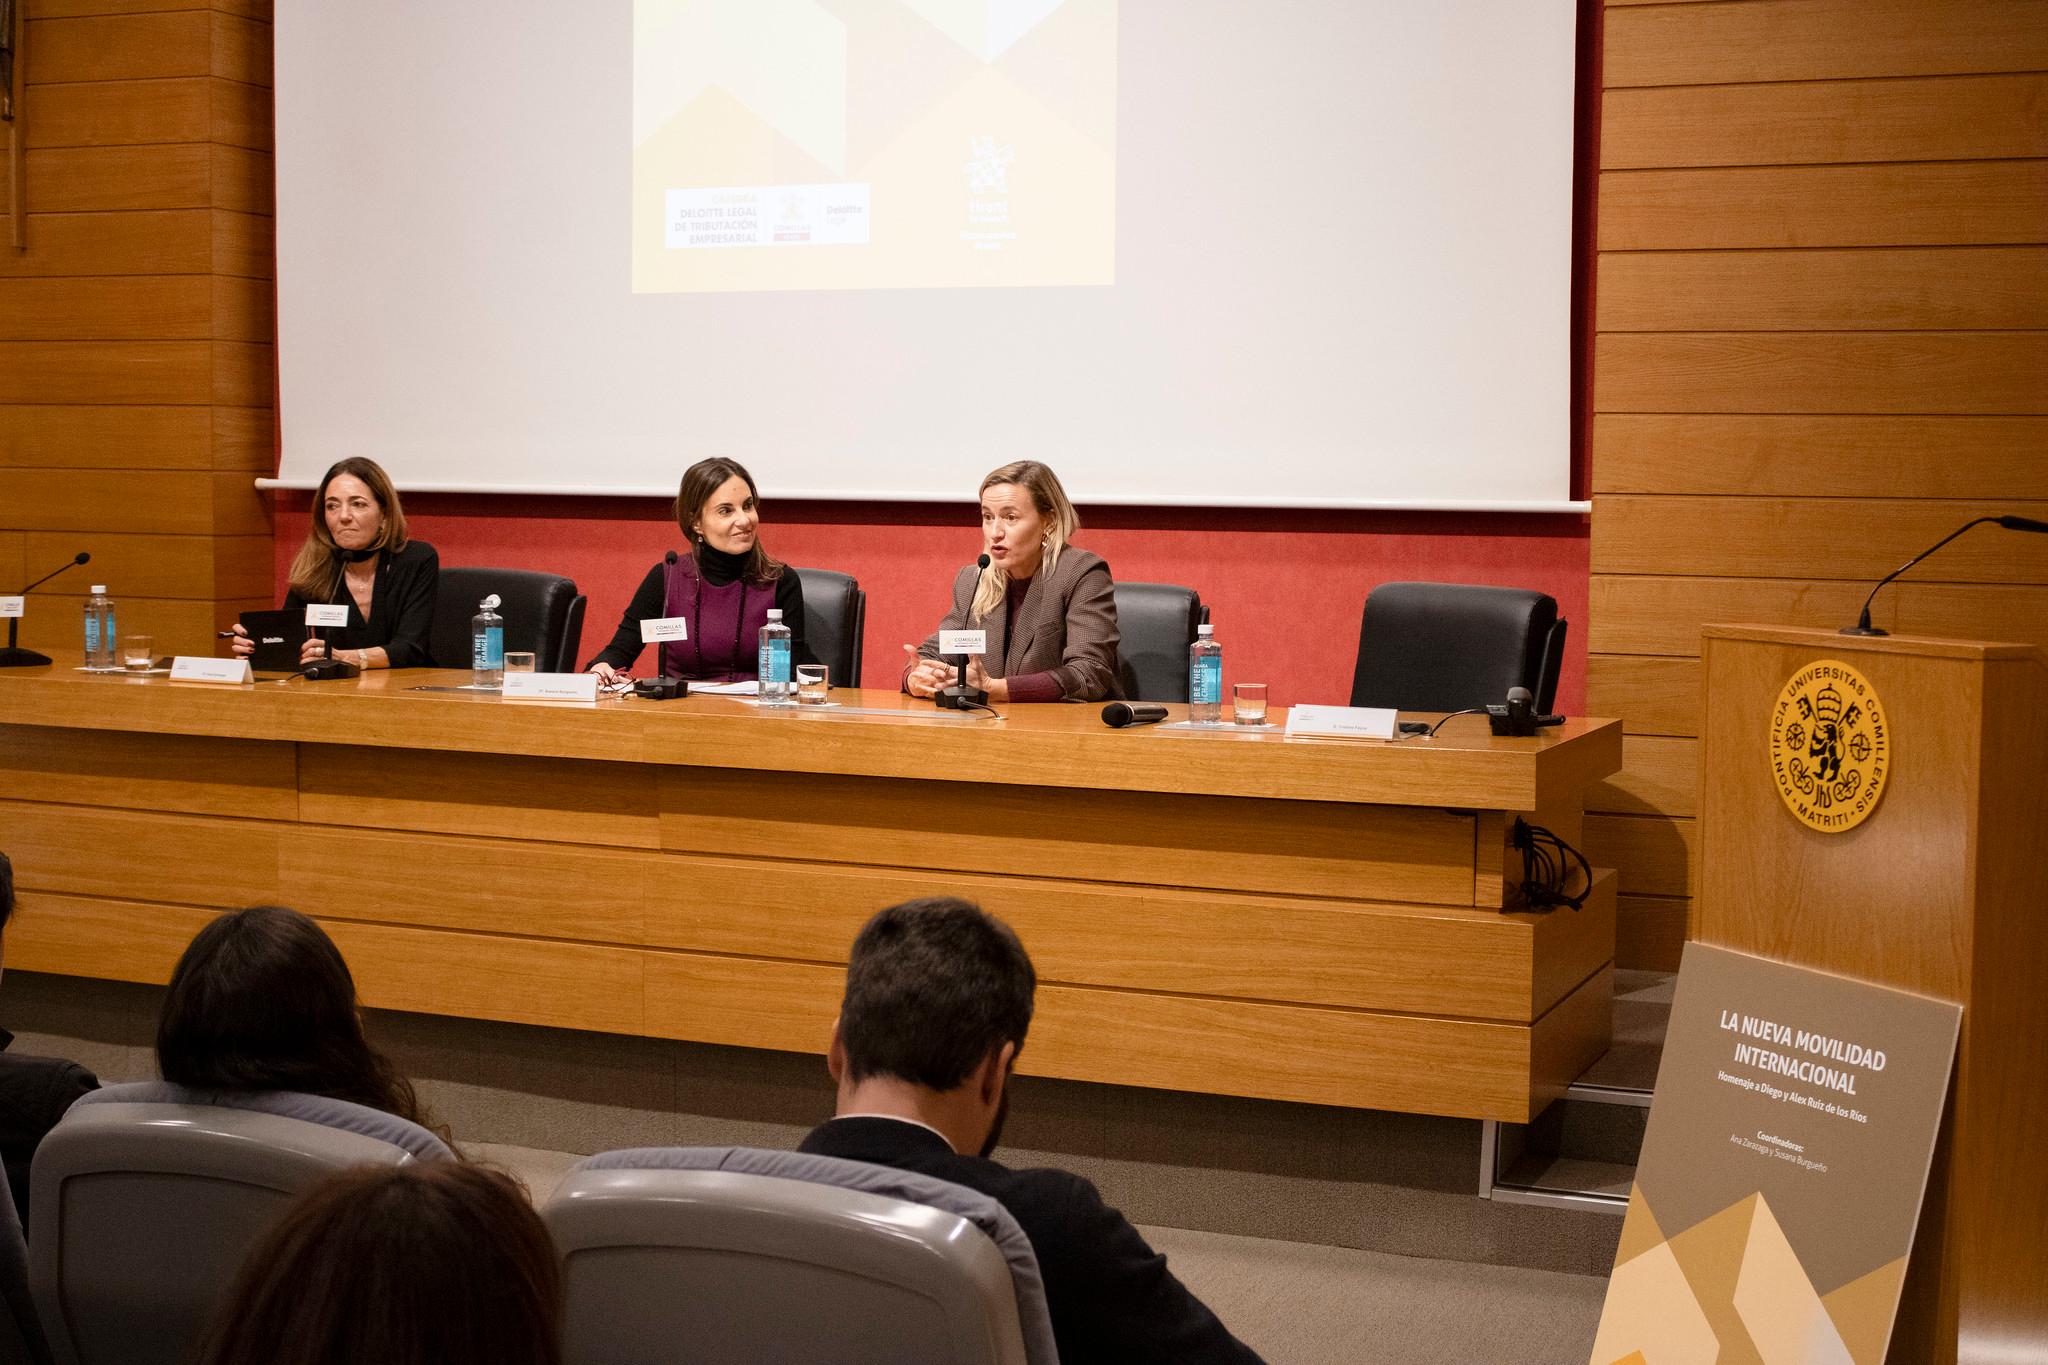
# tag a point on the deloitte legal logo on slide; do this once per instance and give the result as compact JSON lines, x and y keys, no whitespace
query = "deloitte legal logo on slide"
{"x":1830,"y":746}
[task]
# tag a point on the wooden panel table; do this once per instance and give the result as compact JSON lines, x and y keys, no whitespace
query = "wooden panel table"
{"x":1235,"y":913}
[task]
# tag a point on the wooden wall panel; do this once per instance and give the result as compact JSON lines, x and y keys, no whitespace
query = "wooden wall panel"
{"x":1970,"y":288}
{"x":1927,"y":203}
{"x":1797,"y":538}
{"x":1820,"y":456}
{"x":137,"y":327}
{"x":120,"y":47}
{"x":1937,"y":118}
{"x":105,"y":179}
{"x":1821,"y":317}
{"x":1856,"y":372}
{"x":1809,"y":40}
{"x":90,"y":436}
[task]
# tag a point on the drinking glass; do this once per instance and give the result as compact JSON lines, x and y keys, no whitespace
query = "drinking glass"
{"x":518,"y":661}
{"x":137,"y":653}
{"x":1248,"y":703}
{"x":813,"y":683}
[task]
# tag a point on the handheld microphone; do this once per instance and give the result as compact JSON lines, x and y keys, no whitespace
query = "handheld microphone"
{"x":961,"y":697}
{"x":1863,"y":626}
{"x":1119,"y":714}
{"x":15,"y":657}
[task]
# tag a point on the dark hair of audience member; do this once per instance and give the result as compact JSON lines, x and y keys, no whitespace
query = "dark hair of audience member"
{"x":262,"y":1000}
{"x":6,"y":890}
{"x":932,"y":987}
{"x":433,"y":1263}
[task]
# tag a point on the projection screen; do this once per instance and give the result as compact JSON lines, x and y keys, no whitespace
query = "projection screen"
{"x":1310,"y":253}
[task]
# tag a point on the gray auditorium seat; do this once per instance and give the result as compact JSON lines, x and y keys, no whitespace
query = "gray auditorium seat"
{"x":146,"y":1197}
{"x":731,"y":1255}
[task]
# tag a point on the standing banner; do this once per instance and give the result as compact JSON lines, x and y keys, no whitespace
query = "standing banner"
{"x":1783,"y":1171}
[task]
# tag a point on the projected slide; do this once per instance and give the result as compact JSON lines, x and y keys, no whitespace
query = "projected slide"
{"x":873,"y":144}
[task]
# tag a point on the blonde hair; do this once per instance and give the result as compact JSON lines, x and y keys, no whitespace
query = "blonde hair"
{"x":1061,"y":523}
{"x":312,"y":575}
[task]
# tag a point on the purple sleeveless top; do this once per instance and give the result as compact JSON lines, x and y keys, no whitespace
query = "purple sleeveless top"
{"x":725,"y":625}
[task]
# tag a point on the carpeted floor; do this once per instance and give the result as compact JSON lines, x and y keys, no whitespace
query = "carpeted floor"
{"x":1301,"y":1304}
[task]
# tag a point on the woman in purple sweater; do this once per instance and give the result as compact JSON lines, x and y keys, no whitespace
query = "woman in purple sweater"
{"x":724,"y":587}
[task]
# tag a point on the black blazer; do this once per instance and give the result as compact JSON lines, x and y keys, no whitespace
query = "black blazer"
{"x":1111,"y":1297}
{"x":401,"y":607}
{"x":35,"y":1092}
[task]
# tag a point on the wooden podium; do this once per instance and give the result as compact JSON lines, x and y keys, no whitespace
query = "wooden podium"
{"x":1938,"y":890}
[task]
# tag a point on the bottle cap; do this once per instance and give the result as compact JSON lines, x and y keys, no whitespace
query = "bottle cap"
{"x":775,"y":613}
{"x":98,"y":588}
{"x":1205,"y":630}
{"x":489,"y":603}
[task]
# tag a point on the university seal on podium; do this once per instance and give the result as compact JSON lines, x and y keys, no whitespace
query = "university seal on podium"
{"x":1830,"y":746}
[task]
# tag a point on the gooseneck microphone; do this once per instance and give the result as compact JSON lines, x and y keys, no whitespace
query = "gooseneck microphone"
{"x":1863,"y":626}
{"x":960,"y":696}
{"x":15,"y":657}
{"x":1119,"y":714}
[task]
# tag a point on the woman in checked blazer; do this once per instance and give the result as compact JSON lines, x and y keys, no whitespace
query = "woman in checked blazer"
{"x":1049,"y":607}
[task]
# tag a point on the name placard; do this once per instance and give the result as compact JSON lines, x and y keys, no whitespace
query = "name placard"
{"x":199,"y":668}
{"x":1342,"y":722}
{"x":658,"y":629}
{"x":319,"y":615}
{"x":10,"y":606}
{"x":550,"y":686}
{"x":963,"y":642}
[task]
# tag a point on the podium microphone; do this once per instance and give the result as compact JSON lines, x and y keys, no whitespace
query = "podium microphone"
{"x":960,"y":696}
{"x":15,"y":657}
{"x":1863,"y":626}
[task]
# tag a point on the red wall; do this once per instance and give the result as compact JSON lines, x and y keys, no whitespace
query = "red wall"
{"x":1284,"y":587}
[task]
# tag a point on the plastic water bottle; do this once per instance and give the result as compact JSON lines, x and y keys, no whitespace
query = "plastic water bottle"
{"x":774,"y":661}
{"x":1205,"y":677}
{"x":487,"y":645}
{"x":99,"y":631}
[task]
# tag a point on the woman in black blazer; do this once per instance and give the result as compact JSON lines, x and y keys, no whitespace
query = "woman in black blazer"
{"x":358,"y":555}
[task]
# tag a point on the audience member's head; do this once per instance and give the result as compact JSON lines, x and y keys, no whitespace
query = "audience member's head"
{"x":938,"y":996}
{"x":6,"y":894}
{"x":435,"y":1263}
{"x":262,"y":1000}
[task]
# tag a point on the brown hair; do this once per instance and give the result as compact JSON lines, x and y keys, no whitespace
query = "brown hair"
{"x":700,"y":481}
{"x":1061,"y":522}
{"x":429,"y":1263}
{"x":262,"y":1000}
{"x":312,"y":575}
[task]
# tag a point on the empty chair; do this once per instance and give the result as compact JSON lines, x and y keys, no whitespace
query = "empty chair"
{"x":543,"y":614}
{"x":835,"y":622}
{"x":1451,"y":646}
{"x":146,"y":1196}
{"x":1155,"y":624}
{"x":728,"y":1256}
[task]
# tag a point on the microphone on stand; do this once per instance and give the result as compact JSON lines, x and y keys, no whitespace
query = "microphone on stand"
{"x":961,"y":697}
{"x":15,"y":657}
{"x":1863,"y":626}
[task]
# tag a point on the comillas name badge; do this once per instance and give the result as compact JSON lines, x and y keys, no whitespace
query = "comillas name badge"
{"x":1830,"y":746}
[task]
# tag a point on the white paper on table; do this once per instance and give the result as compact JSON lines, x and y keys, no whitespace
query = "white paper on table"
{"x":726,"y":689}
{"x":1342,"y":722}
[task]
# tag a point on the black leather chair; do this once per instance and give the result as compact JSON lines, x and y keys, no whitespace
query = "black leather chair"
{"x":543,"y":613}
{"x":1156,"y":623}
{"x":1449,"y":646}
{"x":835,"y":622}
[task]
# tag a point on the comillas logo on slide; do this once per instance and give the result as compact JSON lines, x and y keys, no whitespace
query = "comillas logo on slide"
{"x":1830,"y":746}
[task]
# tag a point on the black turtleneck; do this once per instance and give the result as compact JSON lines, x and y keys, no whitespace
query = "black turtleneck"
{"x":718,"y":569}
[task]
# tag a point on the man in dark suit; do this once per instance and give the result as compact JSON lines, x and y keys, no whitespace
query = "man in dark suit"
{"x":34,"y":1091}
{"x":938,"y":999}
